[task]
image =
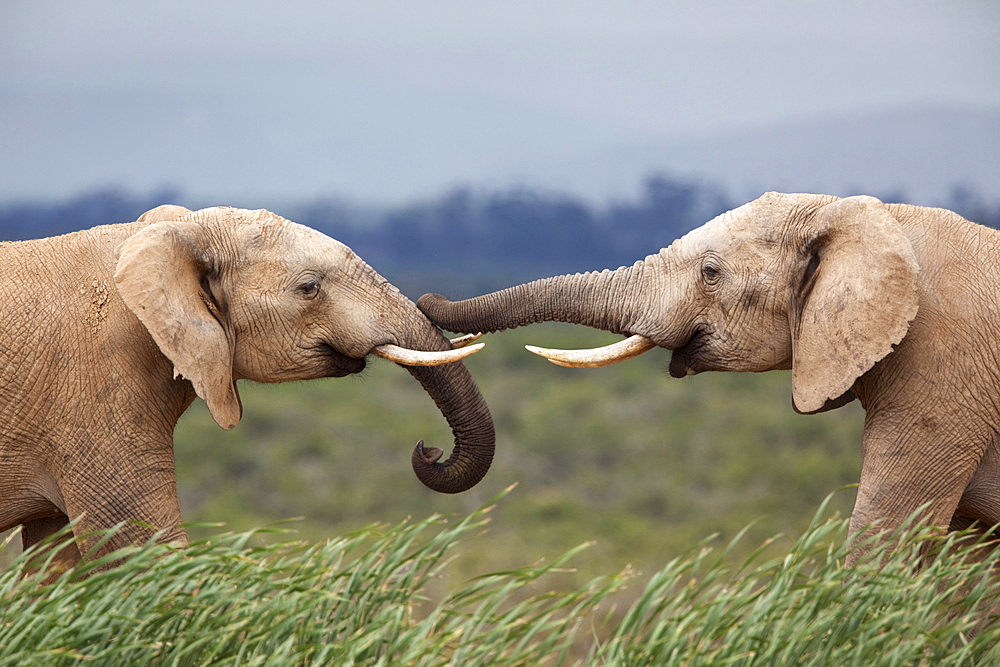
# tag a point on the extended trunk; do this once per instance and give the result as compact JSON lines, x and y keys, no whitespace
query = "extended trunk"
{"x":603,"y":300}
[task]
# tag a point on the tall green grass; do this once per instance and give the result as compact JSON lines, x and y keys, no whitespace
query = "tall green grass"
{"x":381,"y":596}
{"x":902,"y":607}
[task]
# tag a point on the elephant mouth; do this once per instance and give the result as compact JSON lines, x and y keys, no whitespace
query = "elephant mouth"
{"x":340,"y":365}
{"x":690,"y":358}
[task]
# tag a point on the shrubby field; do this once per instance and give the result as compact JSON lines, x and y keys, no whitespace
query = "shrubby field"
{"x":641,"y":464}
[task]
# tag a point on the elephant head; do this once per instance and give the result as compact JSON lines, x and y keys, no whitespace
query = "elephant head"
{"x":230,"y":294}
{"x":821,"y":285}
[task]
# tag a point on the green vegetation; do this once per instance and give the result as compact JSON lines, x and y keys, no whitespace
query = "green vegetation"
{"x":641,"y":467}
{"x":365,"y":598}
{"x":639,"y":463}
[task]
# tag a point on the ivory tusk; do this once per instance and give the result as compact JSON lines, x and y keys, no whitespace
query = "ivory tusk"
{"x":598,"y":356}
{"x":467,"y":339}
{"x":406,"y":357}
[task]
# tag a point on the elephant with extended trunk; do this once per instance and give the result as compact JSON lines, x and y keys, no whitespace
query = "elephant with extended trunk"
{"x":895,"y":305}
{"x":108,"y":335}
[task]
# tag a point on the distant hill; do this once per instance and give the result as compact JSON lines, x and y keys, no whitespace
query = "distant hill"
{"x":918,"y":154}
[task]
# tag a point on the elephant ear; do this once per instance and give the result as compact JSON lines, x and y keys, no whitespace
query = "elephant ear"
{"x":857,"y":299}
{"x":160,"y":275}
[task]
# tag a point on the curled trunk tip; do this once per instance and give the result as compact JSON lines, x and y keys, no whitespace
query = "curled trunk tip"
{"x":460,"y":401}
{"x":463,"y":470}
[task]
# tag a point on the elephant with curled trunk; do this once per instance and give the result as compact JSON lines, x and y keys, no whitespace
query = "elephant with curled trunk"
{"x":107,"y":335}
{"x":897,"y":306}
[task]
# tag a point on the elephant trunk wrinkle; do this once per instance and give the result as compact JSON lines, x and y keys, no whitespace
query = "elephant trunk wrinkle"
{"x":595,"y":299}
{"x":456,"y":395}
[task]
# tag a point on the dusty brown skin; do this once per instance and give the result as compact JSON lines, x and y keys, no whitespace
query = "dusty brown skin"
{"x":895,"y":305}
{"x":107,"y":335}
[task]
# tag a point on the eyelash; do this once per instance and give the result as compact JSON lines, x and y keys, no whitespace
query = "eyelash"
{"x":310,"y":288}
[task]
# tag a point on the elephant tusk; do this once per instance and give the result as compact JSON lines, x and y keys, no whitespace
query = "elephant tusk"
{"x":465,"y":340}
{"x":598,"y":356}
{"x":406,"y":357}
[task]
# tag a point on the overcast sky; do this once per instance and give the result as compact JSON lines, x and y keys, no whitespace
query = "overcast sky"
{"x":392,"y":100}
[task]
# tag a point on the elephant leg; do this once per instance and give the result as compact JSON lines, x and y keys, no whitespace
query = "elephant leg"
{"x":904,"y":474}
{"x":63,"y":551}
{"x":985,"y":536}
{"x":979,"y":507}
{"x":135,"y":498}
{"x":132,"y":521}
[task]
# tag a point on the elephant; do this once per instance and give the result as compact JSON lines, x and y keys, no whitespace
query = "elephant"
{"x":897,"y":306}
{"x":109,"y":334}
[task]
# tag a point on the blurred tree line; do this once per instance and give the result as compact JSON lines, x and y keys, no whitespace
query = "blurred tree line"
{"x":475,"y":239}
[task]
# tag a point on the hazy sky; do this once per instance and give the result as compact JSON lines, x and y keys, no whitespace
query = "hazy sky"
{"x":389,"y":100}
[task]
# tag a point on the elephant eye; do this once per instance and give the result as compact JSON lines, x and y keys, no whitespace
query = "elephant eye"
{"x":711,"y":273}
{"x":308,"y":289}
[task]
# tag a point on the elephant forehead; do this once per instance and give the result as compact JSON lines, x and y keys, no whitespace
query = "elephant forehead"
{"x":764,"y":222}
{"x":262,"y":226}
{"x":714,"y":236}
{"x":270,"y":233}
{"x":307,"y":240}
{"x":735,"y":236}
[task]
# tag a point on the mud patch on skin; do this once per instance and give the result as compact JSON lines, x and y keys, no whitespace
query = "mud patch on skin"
{"x":96,"y":309}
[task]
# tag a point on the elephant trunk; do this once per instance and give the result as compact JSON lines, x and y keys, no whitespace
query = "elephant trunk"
{"x":604,"y":300}
{"x":459,"y":400}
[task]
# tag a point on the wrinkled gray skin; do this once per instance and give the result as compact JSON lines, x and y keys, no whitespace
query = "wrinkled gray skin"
{"x":108,"y":334}
{"x":896,"y":305}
